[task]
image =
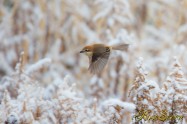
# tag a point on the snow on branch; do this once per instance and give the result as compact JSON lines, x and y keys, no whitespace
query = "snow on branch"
{"x":175,"y":89}
{"x":37,"y":66}
{"x":130,"y":107}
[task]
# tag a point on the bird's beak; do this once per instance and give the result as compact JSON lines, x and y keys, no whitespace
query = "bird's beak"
{"x":82,"y":51}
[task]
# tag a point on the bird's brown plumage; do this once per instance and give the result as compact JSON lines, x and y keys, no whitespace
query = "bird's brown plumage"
{"x":99,"y":58}
{"x":98,"y":55}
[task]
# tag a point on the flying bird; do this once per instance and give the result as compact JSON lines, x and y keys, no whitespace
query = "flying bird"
{"x":98,"y":55}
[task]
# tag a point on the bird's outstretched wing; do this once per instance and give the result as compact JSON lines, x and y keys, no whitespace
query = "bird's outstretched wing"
{"x":98,"y":62}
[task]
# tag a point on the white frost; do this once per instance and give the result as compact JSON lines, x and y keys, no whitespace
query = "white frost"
{"x":130,"y":107}
{"x":33,"y":68}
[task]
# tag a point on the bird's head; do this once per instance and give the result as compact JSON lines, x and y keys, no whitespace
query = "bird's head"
{"x":87,"y":50}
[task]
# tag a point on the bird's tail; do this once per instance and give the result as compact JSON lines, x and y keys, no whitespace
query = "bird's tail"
{"x":122,"y":47}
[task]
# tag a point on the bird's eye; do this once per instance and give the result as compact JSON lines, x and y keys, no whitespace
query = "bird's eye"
{"x":86,"y":50}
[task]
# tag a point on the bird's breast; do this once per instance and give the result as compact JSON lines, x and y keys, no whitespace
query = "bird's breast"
{"x":89,"y":54}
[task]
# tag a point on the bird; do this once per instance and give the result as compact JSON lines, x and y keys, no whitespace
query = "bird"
{"x":98,"y":55}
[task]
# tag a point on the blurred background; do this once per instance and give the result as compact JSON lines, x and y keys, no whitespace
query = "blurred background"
{"x":58,"y":29}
